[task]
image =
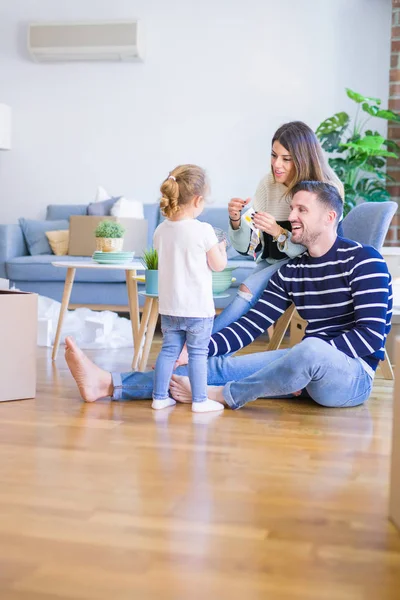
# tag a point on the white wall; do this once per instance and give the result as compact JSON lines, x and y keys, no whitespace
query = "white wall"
{"x":219,"y":77}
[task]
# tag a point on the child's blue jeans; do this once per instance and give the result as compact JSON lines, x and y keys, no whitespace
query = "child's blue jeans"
{"x":196,"y":332}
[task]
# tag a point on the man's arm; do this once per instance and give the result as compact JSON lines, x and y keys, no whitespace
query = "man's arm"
{"x":370,"y":285}
{"x":272,"y":304}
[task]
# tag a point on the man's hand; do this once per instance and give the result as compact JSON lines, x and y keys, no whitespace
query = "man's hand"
{"x":235,"y":206}
{"x":266,"y":222}
{"x":183,"y":358}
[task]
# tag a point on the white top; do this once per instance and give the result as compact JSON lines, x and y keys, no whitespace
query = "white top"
{"x":184,"y":277}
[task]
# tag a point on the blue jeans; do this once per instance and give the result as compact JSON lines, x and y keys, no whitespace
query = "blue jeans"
{"x":196,"y":332}
{"x":325,"y":374}
{"x":240,"y":305}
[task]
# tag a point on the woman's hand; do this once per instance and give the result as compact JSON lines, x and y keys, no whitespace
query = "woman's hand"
{"x":266,"y":222}
{"x":235,"y":206}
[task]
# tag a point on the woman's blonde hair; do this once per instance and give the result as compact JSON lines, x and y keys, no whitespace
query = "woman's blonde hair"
{"x":308,"y":158}
{"x":181,"y":185}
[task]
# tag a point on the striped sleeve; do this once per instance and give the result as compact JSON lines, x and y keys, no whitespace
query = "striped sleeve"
{"x":272,"y":304}
{"x":370,"y":285}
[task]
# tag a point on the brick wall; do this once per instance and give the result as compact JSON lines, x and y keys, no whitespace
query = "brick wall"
{"x":393,"y":237}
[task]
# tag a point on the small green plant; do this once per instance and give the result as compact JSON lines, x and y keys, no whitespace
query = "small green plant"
{"x":109,"y":229}
{"x":150,"y":259}
{"x":359,"y":154}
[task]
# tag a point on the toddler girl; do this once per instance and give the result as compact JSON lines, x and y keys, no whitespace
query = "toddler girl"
{"x":187,"y":252}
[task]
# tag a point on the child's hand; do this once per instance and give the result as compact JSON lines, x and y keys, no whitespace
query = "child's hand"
{"x":183,"y":358}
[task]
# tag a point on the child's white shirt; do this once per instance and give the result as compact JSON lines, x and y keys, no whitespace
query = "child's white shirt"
{"x":184,"y":277}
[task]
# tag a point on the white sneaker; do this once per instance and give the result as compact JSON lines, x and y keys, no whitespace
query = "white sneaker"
{"x":159,"y":404}
{"x":207,"y":406}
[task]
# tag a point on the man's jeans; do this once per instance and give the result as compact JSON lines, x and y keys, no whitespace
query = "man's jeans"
{"x":328,"y":376}
{"x":196,"y":332}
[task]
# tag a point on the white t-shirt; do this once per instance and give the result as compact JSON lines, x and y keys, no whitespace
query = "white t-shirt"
{"x":184,"y":277}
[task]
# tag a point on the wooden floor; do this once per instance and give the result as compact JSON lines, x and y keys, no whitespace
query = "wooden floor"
{"x":281,"y":500}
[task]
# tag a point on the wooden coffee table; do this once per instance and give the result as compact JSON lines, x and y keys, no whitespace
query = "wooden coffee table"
{"x":130,"y":269}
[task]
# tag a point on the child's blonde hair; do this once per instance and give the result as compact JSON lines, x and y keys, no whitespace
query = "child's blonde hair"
{"x":181,"y":185}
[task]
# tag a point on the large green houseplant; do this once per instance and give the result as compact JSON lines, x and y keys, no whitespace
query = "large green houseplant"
{"x":359,"y":154}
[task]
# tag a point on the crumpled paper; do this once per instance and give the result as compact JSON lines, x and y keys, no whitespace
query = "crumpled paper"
{"x":90,"y":329}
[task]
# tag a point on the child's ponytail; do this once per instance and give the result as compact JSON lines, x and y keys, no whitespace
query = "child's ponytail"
{"x":169,"y":202}
{"x":181,"y":185}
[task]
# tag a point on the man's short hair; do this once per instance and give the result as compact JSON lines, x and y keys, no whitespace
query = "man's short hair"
{"x":325,"y":192}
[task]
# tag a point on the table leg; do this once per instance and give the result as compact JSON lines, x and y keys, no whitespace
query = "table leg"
{"x":149,"y":334}
{"x":132,"y":289}
{"x":69,"y":280}
{"x":142,"y":330}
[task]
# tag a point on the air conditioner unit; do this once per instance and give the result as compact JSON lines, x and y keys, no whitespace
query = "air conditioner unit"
{"x":112,"y":40}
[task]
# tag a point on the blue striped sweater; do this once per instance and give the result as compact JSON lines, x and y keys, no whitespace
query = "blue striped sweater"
{"x":345,"y":295}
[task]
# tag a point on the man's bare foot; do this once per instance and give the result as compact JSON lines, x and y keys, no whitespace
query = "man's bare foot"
{"x":216,"y":393}
{"x":181,"y":391}
{"x":93,"y":383}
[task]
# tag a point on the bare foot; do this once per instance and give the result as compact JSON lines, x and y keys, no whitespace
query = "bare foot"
{"x":216,"y":393}
{"x":181,"y":391}
{"x":93,"y":382}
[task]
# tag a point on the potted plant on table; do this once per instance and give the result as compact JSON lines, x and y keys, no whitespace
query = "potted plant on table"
{"x":150,"y":261}
{"x":109,"y":236}
{"x":359,"y":154}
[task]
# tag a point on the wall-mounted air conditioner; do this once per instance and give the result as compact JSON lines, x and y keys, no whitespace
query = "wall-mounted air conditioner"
{"x":111,"y":40}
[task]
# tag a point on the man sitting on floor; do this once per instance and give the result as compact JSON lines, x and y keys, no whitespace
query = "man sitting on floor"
{"x":342,"y":288}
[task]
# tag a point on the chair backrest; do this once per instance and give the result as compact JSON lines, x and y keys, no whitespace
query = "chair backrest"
{"x":368,"y":223}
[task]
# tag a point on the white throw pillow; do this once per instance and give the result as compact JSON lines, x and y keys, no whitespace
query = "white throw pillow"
{"x":101,"y":194}
{"x":128,"y":208}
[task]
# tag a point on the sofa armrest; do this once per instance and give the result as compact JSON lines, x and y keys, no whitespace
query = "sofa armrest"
{"x":12,"y":244}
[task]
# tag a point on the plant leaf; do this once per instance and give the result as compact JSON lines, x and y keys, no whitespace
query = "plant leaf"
{"x":389,"y":115}
{"x":338,"y":121}
{"x":371,"y":141}
{"x":375,"y":162}
{"x":371,"y":110}
{"x":391,"y":145}
{"x":359,"y":98}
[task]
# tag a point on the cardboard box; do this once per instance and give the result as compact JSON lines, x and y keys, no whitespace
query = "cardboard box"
{"x":394,"y":507}
{"x":82,"y":241}
{"x":18,"y":326}
{"x":297,"y":329}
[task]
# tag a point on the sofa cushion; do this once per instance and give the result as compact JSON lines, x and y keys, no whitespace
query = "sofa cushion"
{"x":103,"y":208}
{"x":64,"y":211}
{"x":152,"y":216}
{"x":58,"y":240}
{"x":39,"y":268}
{"x":35,"y":234}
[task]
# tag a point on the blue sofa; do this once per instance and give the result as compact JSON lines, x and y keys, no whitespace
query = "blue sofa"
{"x":91,"y":287}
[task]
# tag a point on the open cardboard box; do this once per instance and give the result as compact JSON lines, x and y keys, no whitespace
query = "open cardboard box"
{"x":394,"y":509}
{"x":18,"y":326}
